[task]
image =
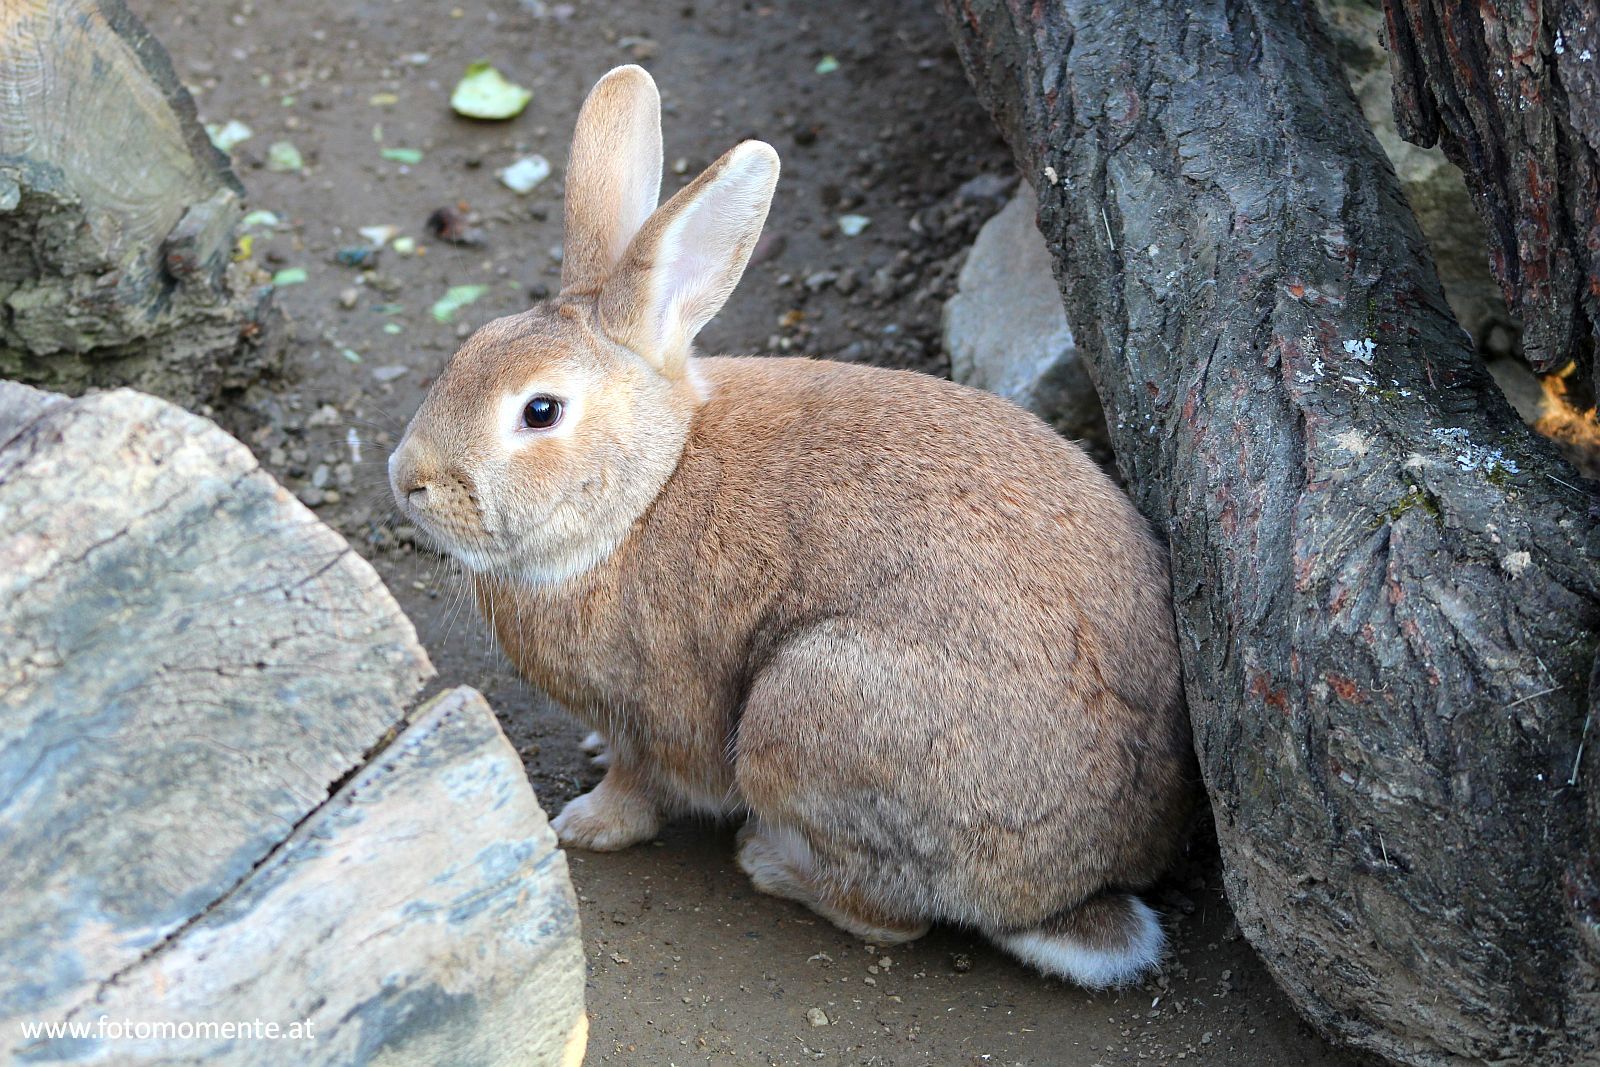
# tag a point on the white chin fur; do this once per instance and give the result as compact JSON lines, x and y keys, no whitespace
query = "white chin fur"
{"x":1091,"y":967}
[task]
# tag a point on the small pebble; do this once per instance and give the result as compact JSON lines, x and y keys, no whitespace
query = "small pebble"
{"x":851,"y":225}
{"x":326,"y":415}
{"x":816,"y":1017}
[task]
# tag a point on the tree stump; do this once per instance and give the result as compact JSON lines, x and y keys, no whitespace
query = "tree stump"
{"x":1387,"y":588}
{"x":217,"y":802}
{"x":117,"y":216}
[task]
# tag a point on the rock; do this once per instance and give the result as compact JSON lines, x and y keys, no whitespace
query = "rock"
{"x":325,"y":415}
{"x":219,"y":800}
{"x":455,"y":226}
{"x":987,"y":187}
{"x":769,"y":246}
{"x":1006,"y":331}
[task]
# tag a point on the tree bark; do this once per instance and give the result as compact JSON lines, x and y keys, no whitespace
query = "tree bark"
{"x":1512,"y":93}
{"x":117,"y":216}
{"x":1386,"y":586}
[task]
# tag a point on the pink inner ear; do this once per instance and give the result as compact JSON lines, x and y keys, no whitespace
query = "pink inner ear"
{"x":640,"y":179}
{"x":703,"y":253}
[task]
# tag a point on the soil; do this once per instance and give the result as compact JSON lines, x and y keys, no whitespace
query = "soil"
{"x":687,"y":963}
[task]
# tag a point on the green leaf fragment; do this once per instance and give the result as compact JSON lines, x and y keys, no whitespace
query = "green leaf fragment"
{"x":456,"y":298}
{"x":525,"y":175}
{"x":827,"y":65}
{"x":484,"y":93}
{"x":228,"y":134}
{"x":351,"y":354}
{"x":260,"y":218}
{"x":283,"y":157}
{"x":289,"y":276}
{"x":403,"y":155}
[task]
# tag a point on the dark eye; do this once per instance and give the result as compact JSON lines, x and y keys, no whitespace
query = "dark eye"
{"x":541,"y":413}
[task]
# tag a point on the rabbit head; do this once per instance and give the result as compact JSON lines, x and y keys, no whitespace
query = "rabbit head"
{"x":549,"y":433}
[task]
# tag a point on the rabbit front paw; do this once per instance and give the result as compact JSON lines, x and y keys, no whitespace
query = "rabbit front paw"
{"x":595,"y":747}
{"x":607,"y":818}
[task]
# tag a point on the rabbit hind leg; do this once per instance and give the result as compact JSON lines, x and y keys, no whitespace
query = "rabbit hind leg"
{"x":781,"y":864}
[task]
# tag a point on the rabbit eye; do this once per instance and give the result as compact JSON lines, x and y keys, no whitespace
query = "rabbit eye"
{"x":541,"y":413}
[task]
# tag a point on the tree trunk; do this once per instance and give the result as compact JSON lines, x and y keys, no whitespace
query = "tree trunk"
{"x":1512,"y":93}
{"x":117,"y":216}
{"x":218,"y":801}
{"x":1386,"y":586}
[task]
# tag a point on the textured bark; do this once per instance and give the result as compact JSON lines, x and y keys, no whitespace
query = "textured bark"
{"x":214,"y":803}
{"x":1512,"y":93}
{"x":1386,"y":586}
{"x":117,"y":216}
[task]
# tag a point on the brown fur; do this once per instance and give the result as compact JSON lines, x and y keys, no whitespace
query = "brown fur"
{"x":919,"y":639}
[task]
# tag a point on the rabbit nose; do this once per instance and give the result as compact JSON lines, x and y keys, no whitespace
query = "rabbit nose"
{"x":406,"y":480}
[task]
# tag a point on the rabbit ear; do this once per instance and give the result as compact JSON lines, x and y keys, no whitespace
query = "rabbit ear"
{"x":613,"y":175}
{"x":681,"y":267}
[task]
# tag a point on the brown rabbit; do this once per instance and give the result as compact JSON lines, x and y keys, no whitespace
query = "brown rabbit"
{"x":918,"y":641}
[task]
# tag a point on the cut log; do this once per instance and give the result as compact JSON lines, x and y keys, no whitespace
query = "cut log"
{"x":216,"y":803}
{"x":117,"y":216}
{"x":1512,"y":94}
{"x":1386,"y":586}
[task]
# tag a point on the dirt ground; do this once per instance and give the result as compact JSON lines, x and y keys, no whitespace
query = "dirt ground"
{"x":687,"y":964}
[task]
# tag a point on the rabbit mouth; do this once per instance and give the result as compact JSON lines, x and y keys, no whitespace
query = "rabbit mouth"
{"x":472,"y":547}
